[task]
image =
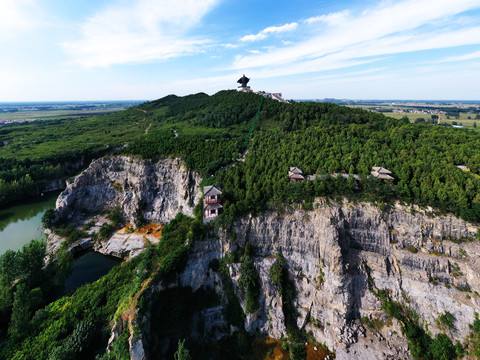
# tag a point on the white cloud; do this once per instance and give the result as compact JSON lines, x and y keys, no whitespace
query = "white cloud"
{"x":231,"y":46}
{"x":471,"y":56}
{"x":404,"y":26}
{"x":330,"y":19}
{"x":278,"y":29}
{"x":269,"y":30}
{"x":140,"y":31}
{"x":17,"y":16}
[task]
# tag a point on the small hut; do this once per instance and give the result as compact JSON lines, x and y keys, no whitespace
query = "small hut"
{"x":295,"y":174}
{"x":381,"y":173}
{"x":211,"y":202}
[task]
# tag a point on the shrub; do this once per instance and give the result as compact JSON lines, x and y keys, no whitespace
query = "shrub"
{"x":70,"y":233}
{"x":297,"y":352}
{"x":445,"y":321}
{"x":48,"y":219}
{"x":412,"y":249}
{"x":115,"y":216}
{"x":182,"y":352}
{"x":392,"y":308}
{"x":442,"y":348}
{"x":106,"y":231}
{"x":276,"y":271}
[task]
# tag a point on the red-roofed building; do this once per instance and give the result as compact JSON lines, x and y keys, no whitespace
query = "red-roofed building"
{"x":211,"y":202}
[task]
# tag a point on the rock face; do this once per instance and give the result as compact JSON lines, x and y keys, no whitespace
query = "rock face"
{"x":330,"y":253}
{"x":157,"y":191}
{"x":154,"y":191}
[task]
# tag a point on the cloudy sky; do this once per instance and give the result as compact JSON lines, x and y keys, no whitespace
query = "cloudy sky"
{"x":146,"y":49}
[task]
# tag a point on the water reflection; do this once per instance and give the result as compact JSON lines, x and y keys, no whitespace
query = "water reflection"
{"x":21,"y":223}
{"x":89,"y":268}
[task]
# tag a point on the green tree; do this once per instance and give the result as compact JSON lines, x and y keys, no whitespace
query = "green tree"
{"x":9,"y":266}
{"x":76,"y":344}
{"x":24,"y":303}
{"x":442,"y":348}
{"x":63,"y":266}
{"x":32,"y":260}
{"x":249,"y":282}
{"x":48,"y":219}
{"x":182,"y":353}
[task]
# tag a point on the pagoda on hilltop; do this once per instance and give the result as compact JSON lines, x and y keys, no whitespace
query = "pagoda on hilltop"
{"x":243,"y":81}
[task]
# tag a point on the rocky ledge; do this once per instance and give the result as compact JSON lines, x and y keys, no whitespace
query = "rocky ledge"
{"x":156,"y":190}
{"x":152,"y":191}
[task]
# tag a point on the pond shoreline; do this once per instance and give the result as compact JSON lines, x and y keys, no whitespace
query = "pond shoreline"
{"x":22,"y":222}
{"x":87,"y":268}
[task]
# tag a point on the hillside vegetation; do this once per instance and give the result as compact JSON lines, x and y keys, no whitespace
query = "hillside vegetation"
{"x":208,"y":133}
{"x":321,"y":139}
{"x":36,"y":325}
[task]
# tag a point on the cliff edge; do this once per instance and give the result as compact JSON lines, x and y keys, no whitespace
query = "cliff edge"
{"x":152,"y":192}
{"x":336,"y":255}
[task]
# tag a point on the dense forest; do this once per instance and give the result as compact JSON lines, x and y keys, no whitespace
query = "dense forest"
{"x":321,"y":139}
{"x":34,"y":153}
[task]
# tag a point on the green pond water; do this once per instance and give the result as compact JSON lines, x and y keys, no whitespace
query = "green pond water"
{"x":89,"y":268}
{"x":19,"y":224}
{"x":22,"y":223}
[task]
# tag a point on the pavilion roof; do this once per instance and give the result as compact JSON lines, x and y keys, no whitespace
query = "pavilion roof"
{"x":213,"y":206}
{"x":212,"y":190}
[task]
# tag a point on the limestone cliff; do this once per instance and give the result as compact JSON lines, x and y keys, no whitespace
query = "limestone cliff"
{"x":156,"y":191}
{"x":344,"y":243}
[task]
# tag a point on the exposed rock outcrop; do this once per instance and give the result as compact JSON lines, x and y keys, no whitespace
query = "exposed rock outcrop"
{"x":330,"y":252}
{"x":157,"y":191}
{"x":154,"y":191}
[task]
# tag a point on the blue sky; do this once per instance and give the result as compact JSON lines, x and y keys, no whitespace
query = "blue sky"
{"x":146,"y":49}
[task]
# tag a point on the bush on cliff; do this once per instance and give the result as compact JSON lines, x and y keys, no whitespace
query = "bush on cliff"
{"x":249,"y":281}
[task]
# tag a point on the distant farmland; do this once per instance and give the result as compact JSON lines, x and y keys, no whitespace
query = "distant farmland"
{"x":458,"y":114}
{"x":45,"y":111}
